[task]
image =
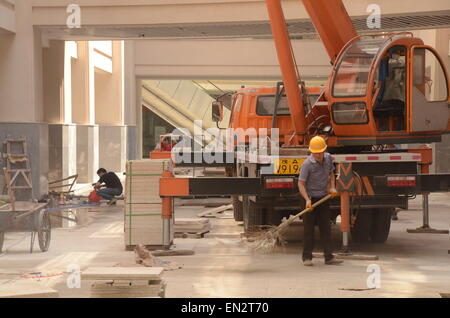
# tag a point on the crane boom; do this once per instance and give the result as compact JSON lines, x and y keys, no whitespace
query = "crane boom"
{"x":287,"y":65}
{"x":332,"y":22}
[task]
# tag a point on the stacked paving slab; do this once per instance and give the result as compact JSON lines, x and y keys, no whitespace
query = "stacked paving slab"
{"x":125,"y":282}
{"x":143,"y":221}
{"x":192,"y":226}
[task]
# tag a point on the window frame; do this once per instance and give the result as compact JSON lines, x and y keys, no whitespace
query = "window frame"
{"x":443,"y":69}
{"x":350,"y":123}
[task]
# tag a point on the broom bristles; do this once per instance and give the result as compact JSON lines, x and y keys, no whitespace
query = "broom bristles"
{"x":266,"y":242}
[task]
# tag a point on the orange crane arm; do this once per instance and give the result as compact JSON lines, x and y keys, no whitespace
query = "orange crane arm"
{"x":333,"y":24}
{"x":286,"y":60}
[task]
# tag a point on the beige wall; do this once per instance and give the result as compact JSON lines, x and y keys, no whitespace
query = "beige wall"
{"x":21,"y":70}
{"x":223,"y":59}
{"x":7,"y":16}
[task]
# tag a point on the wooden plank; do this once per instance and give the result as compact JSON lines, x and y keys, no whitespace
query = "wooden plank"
{"x":216,"y":210}
{"x":12,"y":198}
{"x":122,"y":273}
{"x":173,"y":252}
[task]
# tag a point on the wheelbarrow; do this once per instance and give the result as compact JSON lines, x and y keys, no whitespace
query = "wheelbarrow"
{"x":26,"y":217}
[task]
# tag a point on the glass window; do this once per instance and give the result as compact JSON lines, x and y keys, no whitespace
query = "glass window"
{"x":266,"y":103}
{"x":429,"y":77}
{"x":353,"y":69}
{"x":350,"y":113}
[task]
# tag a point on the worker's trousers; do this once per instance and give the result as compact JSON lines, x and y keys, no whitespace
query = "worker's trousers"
{"x":320,"y":216}
{"x":108,"y":193}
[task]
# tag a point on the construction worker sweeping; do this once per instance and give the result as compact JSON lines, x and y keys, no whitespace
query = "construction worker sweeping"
{"x":316,"y":180}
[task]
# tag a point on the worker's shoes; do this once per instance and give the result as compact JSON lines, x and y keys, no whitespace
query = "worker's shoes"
{"x":333,"y":261}
{"x":308,"y":262}
{"x":112,"y":202}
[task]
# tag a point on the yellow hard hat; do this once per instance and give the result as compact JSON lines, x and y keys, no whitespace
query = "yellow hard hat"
{"x":317,"y":144}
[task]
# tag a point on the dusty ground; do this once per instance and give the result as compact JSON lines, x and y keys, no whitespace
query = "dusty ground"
{"x":412,"y":265}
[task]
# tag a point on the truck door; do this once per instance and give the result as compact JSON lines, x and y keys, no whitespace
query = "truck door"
{"x":429,"y":108}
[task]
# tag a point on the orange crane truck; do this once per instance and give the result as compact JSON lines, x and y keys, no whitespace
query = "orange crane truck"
{"x":385,"y":92}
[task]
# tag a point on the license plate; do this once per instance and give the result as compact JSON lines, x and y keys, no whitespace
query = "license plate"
{"x":288,"y":166}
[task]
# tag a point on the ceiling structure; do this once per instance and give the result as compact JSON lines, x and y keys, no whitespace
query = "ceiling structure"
{"x":298,"y":29}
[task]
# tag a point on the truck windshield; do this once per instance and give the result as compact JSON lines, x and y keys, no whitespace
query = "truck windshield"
{"x":353,"y":68}
{"x":266,"y":104}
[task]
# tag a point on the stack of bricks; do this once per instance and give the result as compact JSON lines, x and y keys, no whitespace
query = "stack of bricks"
{"x":143,"y":210}
{"x":125,"y":282}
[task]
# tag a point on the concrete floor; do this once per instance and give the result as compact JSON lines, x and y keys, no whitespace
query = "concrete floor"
{"x":412,"y":265}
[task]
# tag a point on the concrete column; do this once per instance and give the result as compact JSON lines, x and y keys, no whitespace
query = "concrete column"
{"x":53,"y":78}
{"x":67,"y":107}
{"x":139,"y":118}
{"x":87,"y":153}
{"x":21,"y":93}
{"x":80,"y":85}
{"x":129,"y":99}
{"x":91,"y":84}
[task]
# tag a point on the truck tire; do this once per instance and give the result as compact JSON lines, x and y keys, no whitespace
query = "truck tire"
{"x":381,"y":224}
{"x":252,"y":216}
{"x":362,"y":227}
{"x":237,"y":209}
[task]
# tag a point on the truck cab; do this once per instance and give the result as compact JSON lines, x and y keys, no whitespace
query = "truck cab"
{"x":388,"y":89}
{"x":254,"y":108}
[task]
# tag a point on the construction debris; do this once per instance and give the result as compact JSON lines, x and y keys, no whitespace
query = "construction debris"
{"x":212,"y":213}
{"x":192,"y":226}
{"x":143,"y":256}
{"x":357,"y":289}
{"x":143,"y":209}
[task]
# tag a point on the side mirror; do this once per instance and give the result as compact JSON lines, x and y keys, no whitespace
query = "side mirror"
{"x":216,"y":111}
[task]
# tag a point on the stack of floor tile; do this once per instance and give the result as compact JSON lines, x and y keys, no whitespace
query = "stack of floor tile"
{"x":125,"y":282}
{"x":25,"y":289}
{"x":143,"y":222}
{"x":194,"y":225}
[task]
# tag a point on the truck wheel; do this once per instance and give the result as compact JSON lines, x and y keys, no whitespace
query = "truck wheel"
{"x":381,"y":224}
{"x":252,"y":216}
{"x":237,"y":209}
{"x":361,"y":229}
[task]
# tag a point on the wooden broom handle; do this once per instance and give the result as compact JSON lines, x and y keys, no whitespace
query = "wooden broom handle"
{"x":324,"y":199}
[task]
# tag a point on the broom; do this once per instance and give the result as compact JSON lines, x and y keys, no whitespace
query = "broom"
{"x":267,"y":241}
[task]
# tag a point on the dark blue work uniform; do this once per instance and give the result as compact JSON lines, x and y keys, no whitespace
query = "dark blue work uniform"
{"x":316,"y":178}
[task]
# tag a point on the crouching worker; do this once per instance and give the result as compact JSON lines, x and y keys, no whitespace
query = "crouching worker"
{"x":315,"y":181}
{"x":108,"y":186}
